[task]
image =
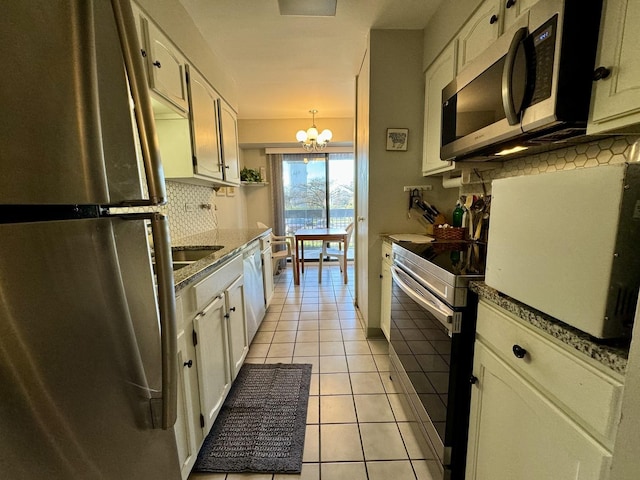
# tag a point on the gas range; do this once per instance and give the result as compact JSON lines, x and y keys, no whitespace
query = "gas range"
{"x":445,"y":267}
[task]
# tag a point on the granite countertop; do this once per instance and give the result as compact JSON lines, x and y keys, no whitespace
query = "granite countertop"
{"x":232,"y":240}
{"x":610,"y":355}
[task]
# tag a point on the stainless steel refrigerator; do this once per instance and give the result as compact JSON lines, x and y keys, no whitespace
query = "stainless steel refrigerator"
{"x":87,"y":330}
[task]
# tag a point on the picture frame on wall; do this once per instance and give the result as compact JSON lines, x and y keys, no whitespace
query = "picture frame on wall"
{"x":397,"y":139}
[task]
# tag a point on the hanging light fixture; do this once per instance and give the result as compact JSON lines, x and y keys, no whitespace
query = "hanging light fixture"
{"x":311,"y":140}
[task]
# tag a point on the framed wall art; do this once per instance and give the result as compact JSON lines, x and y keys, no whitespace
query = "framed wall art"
{"x":397,"y":139}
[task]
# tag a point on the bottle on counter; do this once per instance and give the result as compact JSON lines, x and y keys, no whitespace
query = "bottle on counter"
{"x":458,"y":212}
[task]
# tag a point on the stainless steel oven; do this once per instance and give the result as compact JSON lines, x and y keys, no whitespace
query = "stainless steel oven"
{"x":432,"y":333}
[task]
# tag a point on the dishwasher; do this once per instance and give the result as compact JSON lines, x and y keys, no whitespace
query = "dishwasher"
{"x":253,"y":289}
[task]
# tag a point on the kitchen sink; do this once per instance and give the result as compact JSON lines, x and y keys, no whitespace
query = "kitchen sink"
{"x":174,"y":265}
{"x":193,"y":254}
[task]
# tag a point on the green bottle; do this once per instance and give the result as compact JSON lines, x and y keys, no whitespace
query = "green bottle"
{"x":457,"y":215}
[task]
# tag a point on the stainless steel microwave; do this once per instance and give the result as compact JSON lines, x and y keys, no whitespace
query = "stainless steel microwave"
{"x":530,"y":89}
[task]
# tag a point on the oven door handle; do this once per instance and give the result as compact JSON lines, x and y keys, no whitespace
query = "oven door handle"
{"x":423,"y":297}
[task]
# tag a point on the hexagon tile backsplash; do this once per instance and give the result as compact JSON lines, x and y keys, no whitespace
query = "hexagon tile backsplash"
{"x":605,"y":151}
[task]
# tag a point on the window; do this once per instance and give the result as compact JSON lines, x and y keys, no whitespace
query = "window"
{"x":318,"y":193}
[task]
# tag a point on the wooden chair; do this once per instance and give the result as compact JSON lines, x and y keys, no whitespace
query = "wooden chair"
{"x":340,"y":253}
{"x":288,"y":251}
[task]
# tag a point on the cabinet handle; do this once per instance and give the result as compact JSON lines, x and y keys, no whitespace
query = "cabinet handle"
{"x":510,"y":3}
{"x":601,"y":73}
{"x":518,"y":351}
{"x":493,"y":19}
{"x":233,"y":309}
{"x":473,"y":379}
{"x":387,"y":255}
{"x":381,"y":276}
{"x":226,"y":315}
{"x":188,"y":364}
{"x":157,"y":64}
{"x":143,"y":52}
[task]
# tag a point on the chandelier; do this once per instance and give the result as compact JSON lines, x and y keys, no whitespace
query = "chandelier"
{"x":311,"y":140}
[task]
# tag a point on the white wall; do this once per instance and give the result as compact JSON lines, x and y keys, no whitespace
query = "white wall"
{"x":259,"y":133}
{"x":396,"y":100}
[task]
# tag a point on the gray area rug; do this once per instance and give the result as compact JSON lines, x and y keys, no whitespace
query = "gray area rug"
{"x":261,"y":425}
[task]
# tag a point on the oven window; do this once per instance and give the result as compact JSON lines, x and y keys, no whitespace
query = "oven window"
{"x":424,"y":349}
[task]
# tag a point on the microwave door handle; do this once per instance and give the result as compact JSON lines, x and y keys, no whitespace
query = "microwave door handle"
{"x":513,"y":116}
{"x":143,"y":110}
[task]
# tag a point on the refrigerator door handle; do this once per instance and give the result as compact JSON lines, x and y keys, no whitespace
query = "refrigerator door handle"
{"x":168,"y":323}
{"x":143,"y":110}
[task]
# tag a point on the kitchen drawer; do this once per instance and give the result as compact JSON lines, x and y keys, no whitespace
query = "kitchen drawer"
{"x":386,"y":252}
{"x":207,"y":289}
{"x":587,"y":394}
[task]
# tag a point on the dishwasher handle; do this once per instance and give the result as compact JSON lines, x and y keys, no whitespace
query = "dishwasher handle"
{"x":449,"y":319}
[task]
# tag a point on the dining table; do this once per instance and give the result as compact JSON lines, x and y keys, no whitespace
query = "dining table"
{"x":322,"y":234}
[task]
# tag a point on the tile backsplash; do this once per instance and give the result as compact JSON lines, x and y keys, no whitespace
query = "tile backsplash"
{"x":191,"y":209}
{"x":609,"y":150}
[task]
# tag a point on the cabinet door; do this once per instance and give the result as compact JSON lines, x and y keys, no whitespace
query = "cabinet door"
{"x":385,"y":301}
{"x":615,"y":102}
{"x":437,"y":76}
{"x":185,"y":429}
{"x":229,"y":134}
{"x":516,"y":432}
{"x":166,"y":67}
{"x":267,"y":276}
{"x":237,"y":326}
{"x":203,"y":103}
{"x":212,"y":354}
{"x":385,"y":289}
{"x":513,"y":9}
{"x":480,"y":31}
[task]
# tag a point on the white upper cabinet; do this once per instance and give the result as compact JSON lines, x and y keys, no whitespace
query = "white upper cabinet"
{"x":437,"y":76}
{"x":615,"y":100}
{"x":197,"y":130}
{"x":204,"y":127}
{"x":480,"y":31}
{"x":230,"y":151}
{"x":513,"y":9}
{"x":166,"y":67}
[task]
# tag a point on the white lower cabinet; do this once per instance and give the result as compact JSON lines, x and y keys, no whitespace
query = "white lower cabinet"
{"x":237,"y":326}
{"x":516,"y":432}
{"x":187,"y":427}
{"x":212,"y":352}
{"x":531,"y":420}
{"x":212,"y":346}
{"x":385,"y":289}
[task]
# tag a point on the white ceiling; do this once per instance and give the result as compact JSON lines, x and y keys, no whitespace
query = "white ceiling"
{"x":286,"y":65}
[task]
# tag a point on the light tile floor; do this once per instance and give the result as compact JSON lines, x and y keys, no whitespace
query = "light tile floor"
{"x":356,"y":426}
